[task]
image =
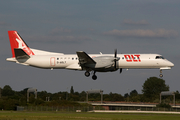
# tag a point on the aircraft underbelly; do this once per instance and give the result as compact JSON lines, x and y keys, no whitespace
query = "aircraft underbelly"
{"x":142,"y":64}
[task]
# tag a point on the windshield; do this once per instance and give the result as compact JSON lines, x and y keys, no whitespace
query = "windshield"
{"x":159,"y":57}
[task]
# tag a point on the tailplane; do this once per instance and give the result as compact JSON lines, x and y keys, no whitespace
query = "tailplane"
{"x":18,"y":47}
{"x":20,"y":54}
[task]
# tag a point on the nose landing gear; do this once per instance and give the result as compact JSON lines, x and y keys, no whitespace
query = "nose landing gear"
{"x":161,"y":75}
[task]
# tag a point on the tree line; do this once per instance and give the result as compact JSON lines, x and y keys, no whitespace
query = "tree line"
{"x":151,"y":90}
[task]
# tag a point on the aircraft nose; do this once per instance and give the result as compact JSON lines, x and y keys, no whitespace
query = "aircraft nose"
{"x":171,"y":64}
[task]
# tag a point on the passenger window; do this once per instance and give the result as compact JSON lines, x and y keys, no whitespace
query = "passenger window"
{"x":57,"y":58}
{"x":72,"y":58}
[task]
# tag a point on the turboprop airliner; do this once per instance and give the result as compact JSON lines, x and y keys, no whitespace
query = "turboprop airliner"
{"x":25,"y":55}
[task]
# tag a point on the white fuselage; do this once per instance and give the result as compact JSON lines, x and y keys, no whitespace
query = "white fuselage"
{"x":22,"y":54}
{"x":127,"y":61}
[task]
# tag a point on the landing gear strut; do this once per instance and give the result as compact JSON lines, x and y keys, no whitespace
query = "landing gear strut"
{"x":161,"y":75}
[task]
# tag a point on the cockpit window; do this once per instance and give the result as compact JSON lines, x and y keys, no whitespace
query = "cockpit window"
{"x":159,"y":57}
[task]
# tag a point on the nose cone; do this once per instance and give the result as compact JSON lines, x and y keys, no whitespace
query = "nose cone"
{"x":169,"y":64}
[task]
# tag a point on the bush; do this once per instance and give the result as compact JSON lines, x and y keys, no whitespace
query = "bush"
{"x":163,"y":105}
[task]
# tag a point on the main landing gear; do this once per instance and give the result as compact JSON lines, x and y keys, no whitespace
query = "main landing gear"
{"x":87,"y":74}
{"x":161,"y":75}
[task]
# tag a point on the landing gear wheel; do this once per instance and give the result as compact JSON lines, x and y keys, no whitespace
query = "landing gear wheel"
{"x":87,"y":74}
{"x":94,"y":77}
{"x":160,"y":75}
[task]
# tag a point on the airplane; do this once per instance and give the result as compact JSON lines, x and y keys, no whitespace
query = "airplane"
{"x":82,"y":61}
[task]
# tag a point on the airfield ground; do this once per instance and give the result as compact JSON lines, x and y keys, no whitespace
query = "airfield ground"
{"x":13,"y":115}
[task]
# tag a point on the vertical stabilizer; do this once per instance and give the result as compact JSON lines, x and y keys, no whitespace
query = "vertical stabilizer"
{"x":17,"y":43}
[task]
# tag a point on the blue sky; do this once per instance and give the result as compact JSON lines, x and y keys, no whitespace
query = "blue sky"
{"x":67,"y":26}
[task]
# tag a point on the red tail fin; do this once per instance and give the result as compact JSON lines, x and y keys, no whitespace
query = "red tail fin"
{"x":17,"y":43}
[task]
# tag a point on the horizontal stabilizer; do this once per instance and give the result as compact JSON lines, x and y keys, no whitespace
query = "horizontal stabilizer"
{"x":20,"y":54}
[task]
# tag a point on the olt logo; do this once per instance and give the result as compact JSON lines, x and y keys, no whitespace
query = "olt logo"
{"x":132,"y":58}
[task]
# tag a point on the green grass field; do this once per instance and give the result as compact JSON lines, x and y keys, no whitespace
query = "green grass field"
{"x":12,"y":115}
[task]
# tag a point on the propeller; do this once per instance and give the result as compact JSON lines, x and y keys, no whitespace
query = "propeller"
{"x":115,"y":58}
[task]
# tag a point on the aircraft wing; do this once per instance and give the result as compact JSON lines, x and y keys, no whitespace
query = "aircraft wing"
{"x":84,"y":58}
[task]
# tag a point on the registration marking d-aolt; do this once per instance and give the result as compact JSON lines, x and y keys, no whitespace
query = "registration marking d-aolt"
{"x":132,"y":58}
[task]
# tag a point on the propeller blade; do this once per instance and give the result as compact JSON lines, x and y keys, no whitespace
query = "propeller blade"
{"x":120,"y":70}
{"x":115,"y":56}
{"x":115,"y":53}
{"x":115,"y":64}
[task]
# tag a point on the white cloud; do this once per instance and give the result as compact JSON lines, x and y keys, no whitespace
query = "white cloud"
{"x":131,"y":22}
{"x":160,"y":33}
{"x":57,"y":31}
{"x":60,"y":38}
{"x":60,"y":35}
{"x":69,"y":38}
{"x":4,"y":24}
